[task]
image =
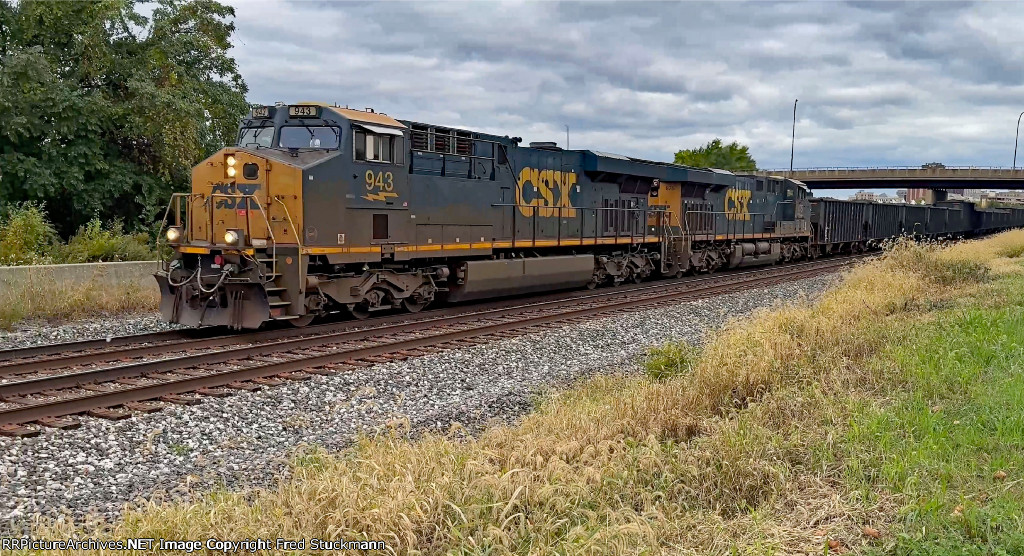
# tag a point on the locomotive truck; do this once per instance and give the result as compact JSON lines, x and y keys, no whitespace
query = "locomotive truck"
{"x":320,"y":208}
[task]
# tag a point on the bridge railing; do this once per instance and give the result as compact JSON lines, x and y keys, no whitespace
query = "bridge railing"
{"x":980,"y":171}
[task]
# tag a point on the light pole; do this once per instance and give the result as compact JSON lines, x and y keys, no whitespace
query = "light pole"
{"x":566,"y":136}
{"x":792,"y":145}
{"x":1015,"y":142}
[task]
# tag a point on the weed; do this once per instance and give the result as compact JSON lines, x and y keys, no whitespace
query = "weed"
{"x":45,"y":297}
{"x":96,"y":243}
{"x":26,"y":236}
{"x":797,"y":430}
{"x":670,"y":360}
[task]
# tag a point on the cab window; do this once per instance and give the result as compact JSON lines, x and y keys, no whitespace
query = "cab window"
{"x":256,"y":137}
{"x":310,"y":137}
{"x":379,"y":148}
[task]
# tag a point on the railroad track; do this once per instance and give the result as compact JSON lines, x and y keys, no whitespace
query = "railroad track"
{"x":39,"y":394}
{"x":21,"y":361}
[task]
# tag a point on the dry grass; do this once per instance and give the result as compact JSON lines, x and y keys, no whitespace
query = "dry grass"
{"x":733,"y":450}
{"x":43,"y":297}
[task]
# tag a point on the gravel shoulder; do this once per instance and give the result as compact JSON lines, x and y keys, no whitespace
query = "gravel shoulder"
{"x":33,"y":333}
{"x":247,"y":439}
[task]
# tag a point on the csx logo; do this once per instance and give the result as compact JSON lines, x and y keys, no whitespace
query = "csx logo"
{"x":737,"y":204}
{"x":549,"y":190}
{"x":233,"y":189}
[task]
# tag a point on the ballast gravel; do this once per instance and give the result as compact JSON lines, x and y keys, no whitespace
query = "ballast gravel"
{"x":38,"y":333}
{"x":246,"y":440}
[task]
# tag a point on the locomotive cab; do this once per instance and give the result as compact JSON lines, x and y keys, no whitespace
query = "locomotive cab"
{"x":236,"y":235}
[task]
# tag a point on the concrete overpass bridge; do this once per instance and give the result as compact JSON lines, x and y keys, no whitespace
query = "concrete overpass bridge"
{"x":906,"y":177}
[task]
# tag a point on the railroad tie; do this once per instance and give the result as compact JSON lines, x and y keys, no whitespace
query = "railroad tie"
{"x":144,"y":407}
{"x":358,"y":363}
{"x":108,"y":414}
{"x":178,"y":399}
{"x":19,"y":431}
{"x":60,"y":422}
{"x":214,"y":392}
{"x":244,"y":385}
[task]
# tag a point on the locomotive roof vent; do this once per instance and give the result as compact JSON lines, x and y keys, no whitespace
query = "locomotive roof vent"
{"x":547,"y":145}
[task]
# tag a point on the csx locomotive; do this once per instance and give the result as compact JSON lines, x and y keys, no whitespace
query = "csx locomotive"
{"x":322,"y":208}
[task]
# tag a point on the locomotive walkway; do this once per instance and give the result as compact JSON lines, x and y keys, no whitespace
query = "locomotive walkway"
{"x":43,"y":389}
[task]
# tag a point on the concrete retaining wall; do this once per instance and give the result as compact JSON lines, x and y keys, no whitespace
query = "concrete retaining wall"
{"x":140,"y":272}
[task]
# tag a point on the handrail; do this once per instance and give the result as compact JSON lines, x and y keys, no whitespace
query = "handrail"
{"x":298,"y":241}
{"x":208,"y":201}
{"x":249,"y":199}
{"x":640,"y":221}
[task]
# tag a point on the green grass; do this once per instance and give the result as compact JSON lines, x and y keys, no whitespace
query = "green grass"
{"x":956,"y":422}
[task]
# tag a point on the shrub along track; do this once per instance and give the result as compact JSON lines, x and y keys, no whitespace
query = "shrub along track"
{"x":51,"y":396}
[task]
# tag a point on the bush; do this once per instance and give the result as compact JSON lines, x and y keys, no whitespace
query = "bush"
{"x":93,"y":243}
{"x":26,"y":235}
{"x":944,"y":267}
{"x":669,"y":360}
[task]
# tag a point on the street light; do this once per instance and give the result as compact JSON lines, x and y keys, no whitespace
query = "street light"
{"x":792,"y":145}
{"x":1015,"y":142}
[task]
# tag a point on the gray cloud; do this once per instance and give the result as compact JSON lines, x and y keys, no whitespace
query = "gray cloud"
{"x":878,"y":83}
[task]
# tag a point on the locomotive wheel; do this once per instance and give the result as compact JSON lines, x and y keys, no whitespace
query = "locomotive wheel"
{"x":359,"y":311}
{"x":304,"y":320}
{"x":413,"y":306}
{"x":591,"y":284}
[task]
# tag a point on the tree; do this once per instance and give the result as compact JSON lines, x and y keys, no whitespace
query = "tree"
{"x":103,"y":112}
{"x":716,"y":155}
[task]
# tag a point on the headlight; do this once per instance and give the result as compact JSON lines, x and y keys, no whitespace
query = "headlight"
{"x":230,"y":160}
{"x":173,"y":234}
{"x":231,"y":171}
{"x":231,"y":237}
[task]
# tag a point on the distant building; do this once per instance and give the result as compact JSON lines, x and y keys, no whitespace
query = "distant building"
{"x":902,"y":194}
{"x":876,"y":197}
{"x":916,"y":195}
{"x":1009,"y":197}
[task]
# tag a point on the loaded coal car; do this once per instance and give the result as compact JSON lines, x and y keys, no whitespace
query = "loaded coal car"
{"x":322,"y":208}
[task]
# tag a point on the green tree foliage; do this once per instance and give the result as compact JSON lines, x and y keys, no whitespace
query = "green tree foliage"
{"x":716,"y":155}
{"x":26,"y":236}
{"x":103,"y":112}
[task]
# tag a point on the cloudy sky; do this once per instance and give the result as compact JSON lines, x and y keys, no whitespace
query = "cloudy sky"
{"x":878,"y":83}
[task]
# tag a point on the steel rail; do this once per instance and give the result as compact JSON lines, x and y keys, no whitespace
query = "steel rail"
{"x":132,"y":370}
{"x":193,"y":339}
{"x":8,"y":356}
{"x":95,"y":400}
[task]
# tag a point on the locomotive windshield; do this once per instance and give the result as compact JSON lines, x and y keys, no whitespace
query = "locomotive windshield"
{"x":305,"y":137}
{"x":256,"y":137}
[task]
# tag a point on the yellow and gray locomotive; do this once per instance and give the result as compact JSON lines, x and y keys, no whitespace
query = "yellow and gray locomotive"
{"x":321,"y":208}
